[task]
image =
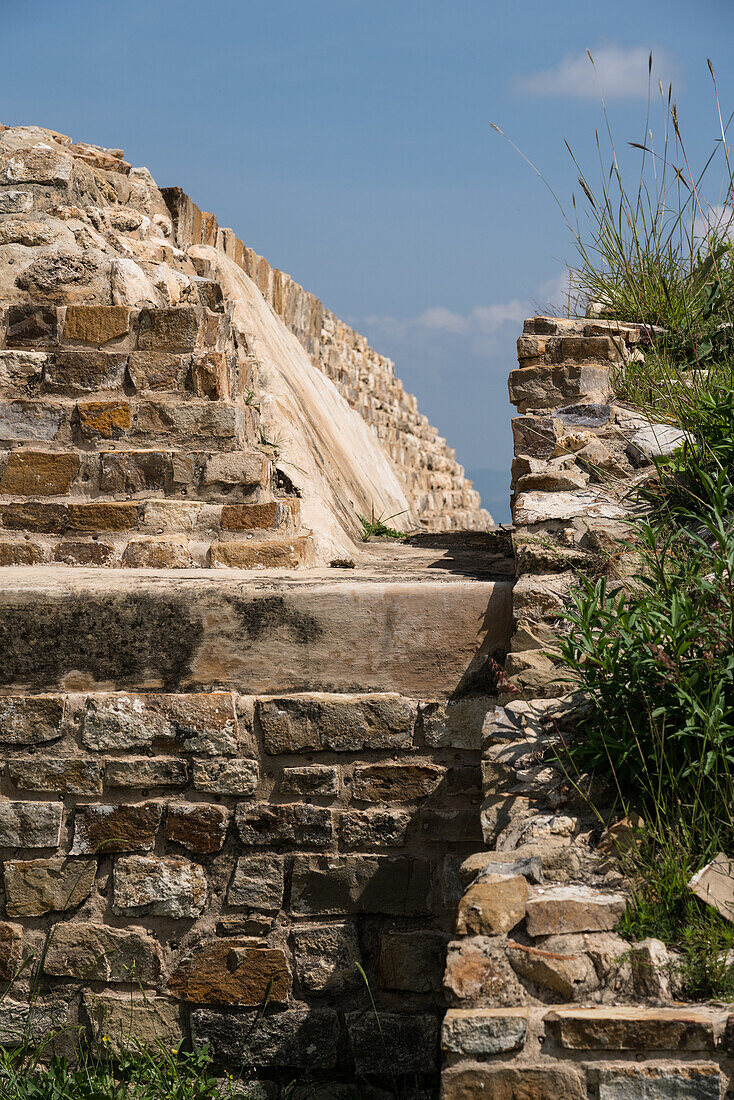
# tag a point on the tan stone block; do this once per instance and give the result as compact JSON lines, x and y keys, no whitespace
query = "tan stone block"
{"x":642,"y":1029}
{"x":31,"y":719}
{"x":508,"y":1082}
{"x":236,"y":468}
{"x":492,"y":906}
{"x":477,"y":969}
{"x":39,"y":473}
{"x":96,"y":324}
{"x":60,"y":774}
{"x":209,"y":376}
{"x":232,"y":972}
{"x":171,"y":515}
{"x":558,"y":909}
{"x":157,"y":554}
{"x":283,"y":554}
{"x":714,"y":884}
{"x":156,"y":886}
{"x":21,"y":368}
{"x":11,"y":947}
{"x":103,"y":419}
{"x":20,"y":553}
{"x":34,"y":887}
{"x":83,"y":552}
{"x":563,"y":973}
{"x":484,"y":1031}
{"x":169,"y":329}
{"x":83,"y":371}
{"x":107,"y":516}
{"x":49,"y":518}
{"x":125,"y":1020}
{"x":271,"y":515}
{"x":159,"y":371}
{"x":396,"y":782}
{"x":90,"y":951}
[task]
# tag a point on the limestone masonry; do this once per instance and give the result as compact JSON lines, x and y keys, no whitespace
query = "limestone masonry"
{"x":246,"y":757}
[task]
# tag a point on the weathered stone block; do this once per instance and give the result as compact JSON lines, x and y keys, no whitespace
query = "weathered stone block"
{"x":34,"y":516}
{"x":218,"y":775}
{"x":564,"y":972}
{"x":204,"y":723}
{"x":412,"y":960}
{"x":326,"y":958}
{"x":477,"y":971}
{"x":146,"y":771}
{"x":456,"y":724}
{"x":197,"y":826}
{"x":134,"y":471}
{"x":32,"y":324}
{"x":102,"y":516}
{"x":39,"y":164}
{"x":21,"y":1022}
{"x":484,"y":1031}
{"x":79,"y":372}
{"x":158,"y":887}
{"x":556,"y":909}
{"x":319,"y":779}
{"x":395,"y":782}
{"x":30,"y":719}
{"x":267,"y":554}
{"x":26,"y":420}
{"x":126,"y":828}
{"x":83,"y":552}
{"x":11,"y":950}
{"x":299,"y":1038}
{"x":392,"y":885}
{"x":96,"y":324}
{"x":509,"y":1082}
{"x":336,"y":723}
{"x":60,"y":774}
{"x":679,"y":1081}
{"x":209,"y":375}
{"x":368,"y":829}
{"x":21,"y":369}
{"x":38,"y":473}
{"x":395,"y":1044}
{"x":269,"y":516}
{"x":96,"y":953}
{"x":642,"y":1029}
{"x":123,"y":1020}
{"x":168,"y":329}
{"x":289,"y":823}
{"x":236,"y":468}
{"x":37,"y":886}
{"x":167,"y":553}
{"x":16,"y":202}
{"x":536,"y":436}
{"x":258,"y":883}
{"x":492,"y":906}
{"x":103,"y":419}
{"x":231,"y":972}
{"x":30,"y":824}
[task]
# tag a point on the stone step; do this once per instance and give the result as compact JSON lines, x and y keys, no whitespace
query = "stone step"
{"x":161,"y":548}
{"x":233,"y":477}
{"x":422,"y":632}
{"x":165,"y":420}
{"x":154,"y":516}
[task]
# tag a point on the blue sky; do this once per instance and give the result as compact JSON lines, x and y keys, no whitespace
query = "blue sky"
{"x":350,"y":143}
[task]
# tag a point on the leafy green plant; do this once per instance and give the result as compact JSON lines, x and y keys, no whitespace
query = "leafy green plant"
{"x":377,"y":527}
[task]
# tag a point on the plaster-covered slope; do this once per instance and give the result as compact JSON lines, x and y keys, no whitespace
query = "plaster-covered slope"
{"x":326,"y":449}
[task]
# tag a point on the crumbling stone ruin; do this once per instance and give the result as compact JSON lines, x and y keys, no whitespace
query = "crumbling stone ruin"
{"x":245,"y":754}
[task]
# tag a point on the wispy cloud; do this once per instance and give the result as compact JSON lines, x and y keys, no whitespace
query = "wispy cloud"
{"x":621,"y":72}
{"x":478,"y":328}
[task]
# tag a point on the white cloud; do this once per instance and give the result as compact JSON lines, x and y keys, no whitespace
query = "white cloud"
{"x":478,"y":327}
{"x":622,"y":73}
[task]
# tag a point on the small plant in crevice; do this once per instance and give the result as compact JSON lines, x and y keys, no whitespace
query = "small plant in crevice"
{"x":377,"y":527}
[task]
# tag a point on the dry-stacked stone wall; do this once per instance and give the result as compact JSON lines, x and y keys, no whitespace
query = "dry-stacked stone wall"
{"x":196,"y":862}
{"x":441,"y":495}
{"x":547,"y":1001}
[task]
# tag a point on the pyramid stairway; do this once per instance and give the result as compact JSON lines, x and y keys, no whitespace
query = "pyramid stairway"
{"x":127,"y":439}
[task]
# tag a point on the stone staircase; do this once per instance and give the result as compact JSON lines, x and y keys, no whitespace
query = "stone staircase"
{"x":129,"y":438}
